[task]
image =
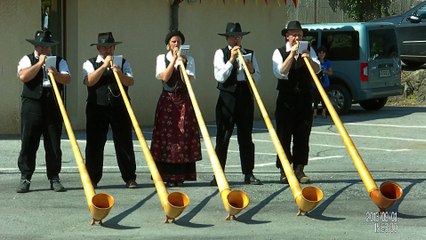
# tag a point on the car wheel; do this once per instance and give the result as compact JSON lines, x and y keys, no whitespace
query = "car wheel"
{"x":412,"y":64}
{"x":373,"y":104}
{"x":340,"y":98}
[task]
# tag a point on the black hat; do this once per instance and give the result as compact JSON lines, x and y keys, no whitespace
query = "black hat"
{"x":106,"y":40}
{"x":233,"y":29}
{"x":43,"y":39}
{"x":172,"y":34}
{"x":292,"y":25}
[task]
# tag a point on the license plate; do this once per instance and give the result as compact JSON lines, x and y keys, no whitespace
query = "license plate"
{"x":384,"y":73}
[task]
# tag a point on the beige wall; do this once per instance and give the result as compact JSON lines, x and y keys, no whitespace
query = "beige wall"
{"x":17,"y":23}
{"x":142,"y":25}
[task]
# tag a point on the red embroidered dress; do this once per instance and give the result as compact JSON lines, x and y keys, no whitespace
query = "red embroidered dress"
{"x":175,"y":144}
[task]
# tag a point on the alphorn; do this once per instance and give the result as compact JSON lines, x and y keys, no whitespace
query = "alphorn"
{"x":389,"y":191}
{"x":99,"y":204}
{"x":306,"y":198}
{"x":174,"y":203}
{"x":233,"y":200}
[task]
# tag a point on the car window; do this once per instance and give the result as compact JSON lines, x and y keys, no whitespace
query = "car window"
{"x":341,"y":45}
{"x":312,"y":38}
{"x":382,"y":44}
{"x":421,"y":12}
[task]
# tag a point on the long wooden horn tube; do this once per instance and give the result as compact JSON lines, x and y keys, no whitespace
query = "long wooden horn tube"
{"x":233,"y":200}
{"x":99,"y":204}
{"x":174,"y":203}
{"x":389,"y":191}
{"x":306,"y":198}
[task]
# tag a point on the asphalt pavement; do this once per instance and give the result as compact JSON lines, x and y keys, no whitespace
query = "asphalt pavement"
{"x":391,"y":142}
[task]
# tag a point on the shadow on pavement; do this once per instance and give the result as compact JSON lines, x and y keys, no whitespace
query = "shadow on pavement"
{"x":186,"y":220}
{"x":114,"y":222}
{"x":247,"y":217}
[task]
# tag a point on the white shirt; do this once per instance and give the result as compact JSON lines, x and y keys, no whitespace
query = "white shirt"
{"x":277,"y":61}
{"x":161,"y":65}
{"x":89,"y":68}
{"x":222,"y":69}
{"x":25,"y":62}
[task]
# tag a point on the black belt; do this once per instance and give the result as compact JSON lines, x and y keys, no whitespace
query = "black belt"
{"x":241,"y":81}
{"x":177,"y":90}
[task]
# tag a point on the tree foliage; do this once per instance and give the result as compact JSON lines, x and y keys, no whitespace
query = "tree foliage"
{"x":362,"y":10}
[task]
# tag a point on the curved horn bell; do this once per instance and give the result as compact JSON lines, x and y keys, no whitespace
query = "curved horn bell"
{"x":174,"y":203}
{"x":389,"y":191}
{"x":233,"y":200}
{"x":306,"y":199}
{"x":99,"y":204}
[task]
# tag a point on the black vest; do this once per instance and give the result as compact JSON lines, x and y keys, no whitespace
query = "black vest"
{"x":230,"y":84}
{"x":105,"y":91}
{"x":34,"y":88}
{"x":299,"y":79}
{"x":175,"y":83}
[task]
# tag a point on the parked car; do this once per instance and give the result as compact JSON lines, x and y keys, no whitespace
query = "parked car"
{"x":411,"y":30}
{"x":366,"y":62}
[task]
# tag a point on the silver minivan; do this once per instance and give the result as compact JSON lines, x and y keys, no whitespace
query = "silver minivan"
{"x":366,"y":62}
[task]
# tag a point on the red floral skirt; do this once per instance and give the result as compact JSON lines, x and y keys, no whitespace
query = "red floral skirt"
{"x":175,"y":144}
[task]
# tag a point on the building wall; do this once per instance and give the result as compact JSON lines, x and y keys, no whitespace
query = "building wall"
{"x":142,"y":26}
{"x":17,"y":23}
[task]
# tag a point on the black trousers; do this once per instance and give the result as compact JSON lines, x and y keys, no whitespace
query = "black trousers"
{"x":40,"y":117}
{"x":236,"y":109}
{"x":293,"y":116}
{"x":98,"y":120}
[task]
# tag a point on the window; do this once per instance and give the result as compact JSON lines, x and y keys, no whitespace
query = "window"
{"x":342,"y":45}
{"x":382,"y":44}
{"x":421,"y":12}
{"x":312,"y":38}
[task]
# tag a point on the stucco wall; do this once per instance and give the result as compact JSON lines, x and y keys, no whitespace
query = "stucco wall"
{"x":17,"y":23}
{"x":142,"y":25}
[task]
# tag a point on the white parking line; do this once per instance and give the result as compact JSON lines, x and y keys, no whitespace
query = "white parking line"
{"x":385,"y":125}
{"x":364,"y":148}
{"x":334,"y":146}
{"x":370,"y":136}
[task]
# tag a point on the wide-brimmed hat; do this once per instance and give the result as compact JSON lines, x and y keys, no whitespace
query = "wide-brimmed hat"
{"x":105,"y":39}
{"x":172,"y":34}
{"x":292,"y":25}
{"x":43,"y":39}
{"x":233,"y":29}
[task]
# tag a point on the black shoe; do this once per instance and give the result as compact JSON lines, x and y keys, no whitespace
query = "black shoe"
{"x":131,"y":184}
{"x":283,"y":178}
{"x":55,"y":185}
{"x":251,"y":179}
{"x":213,"y":182}
{"x":24,"y":186}
{"x":174,"y":184}
{"x":300,"y":175}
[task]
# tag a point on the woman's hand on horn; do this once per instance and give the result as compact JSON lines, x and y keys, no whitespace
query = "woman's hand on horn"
{"x":175,"y":52}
